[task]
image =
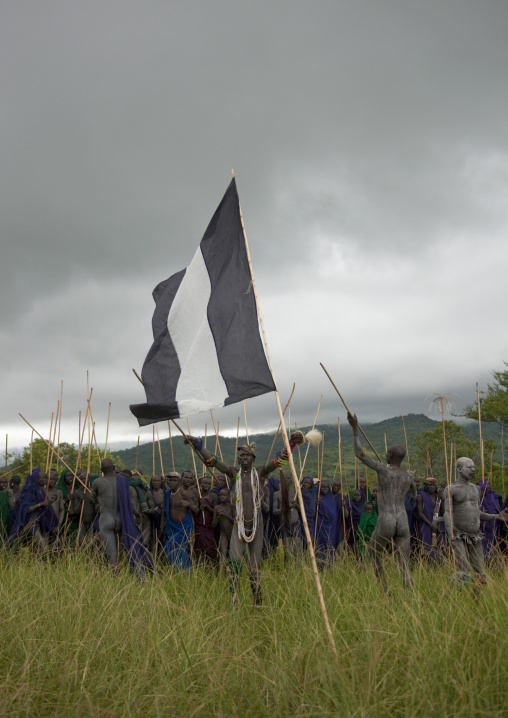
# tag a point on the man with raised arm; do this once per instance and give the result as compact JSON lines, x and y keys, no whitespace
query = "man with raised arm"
{"x":393,"y":484}
{"x":462,"y":520}
{"x":248,"y":497}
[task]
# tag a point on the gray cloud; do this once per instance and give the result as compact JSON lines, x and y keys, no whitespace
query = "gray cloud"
{"x":371,"y":150}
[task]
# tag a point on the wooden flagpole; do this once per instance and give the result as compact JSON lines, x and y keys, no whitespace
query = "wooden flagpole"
{"x":153,"y":450}
{"x":137,"y":454}
{"x":291,"y":462}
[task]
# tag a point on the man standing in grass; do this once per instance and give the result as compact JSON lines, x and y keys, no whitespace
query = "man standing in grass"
{"x":249,"y":499}
{"x":393,"y":485}
{"x":462,"y":520}
{"x":179,"y":524}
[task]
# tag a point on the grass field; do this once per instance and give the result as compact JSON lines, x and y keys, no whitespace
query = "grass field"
{"x":78,"y":641}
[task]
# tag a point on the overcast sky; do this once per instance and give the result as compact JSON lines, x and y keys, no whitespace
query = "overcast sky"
{"x":370,"y":145}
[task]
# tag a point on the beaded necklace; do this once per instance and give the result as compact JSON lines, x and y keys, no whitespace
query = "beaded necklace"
{"x":256,"y":500}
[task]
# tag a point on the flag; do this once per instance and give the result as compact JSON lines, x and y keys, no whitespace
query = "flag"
{"x":207,"y":351}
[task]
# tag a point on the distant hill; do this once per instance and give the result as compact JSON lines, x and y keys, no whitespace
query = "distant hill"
{"x":392,"y":428}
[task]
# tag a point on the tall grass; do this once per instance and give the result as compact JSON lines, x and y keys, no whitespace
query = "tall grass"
{"x":79,"y":641}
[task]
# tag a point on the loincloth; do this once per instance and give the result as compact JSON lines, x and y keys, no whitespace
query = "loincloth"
{"x":470,"y":539}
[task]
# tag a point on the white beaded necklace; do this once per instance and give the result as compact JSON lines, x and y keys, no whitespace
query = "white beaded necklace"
{"x":256,"y":500}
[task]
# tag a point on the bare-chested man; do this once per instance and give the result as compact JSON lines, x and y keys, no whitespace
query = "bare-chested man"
{"x":289,"y":518}
{"x":105,"y":497}
{"x":393,"y":485}
{"x":83,"y":508}
{"x":462,"y":520}
{"x":158,"y":492}
{"x":181,"y":504}
{"x":249,"y":500}
{"x":58,"y":504}
{"x":205,"y":548}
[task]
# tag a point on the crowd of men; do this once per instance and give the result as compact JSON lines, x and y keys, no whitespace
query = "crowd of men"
{"x":217,"y":519}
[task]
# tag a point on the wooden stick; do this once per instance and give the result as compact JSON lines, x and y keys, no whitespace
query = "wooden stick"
{"x":347,"y":409}
{"x":236,"y":445}
{"x":502,"y":455}
{"x":206,"y":432}
{"x":59,"y":421}
{"x":171,"y":447}
{"x":278,"y":428}
{"x":292,"y":465}
{"x":31,"y":451}
{"x":47,"y":444}
{"x":107,"y":431}
{"x":386,"y":446}
{"x":153,"y":449}
{"x":340,"y":452}
{"x":405,"y":438}
{"x":137,"y":376}
{"x":160,"y":452}
{"x":6,"y":462}
{"x":217,"y":442}
{"x":308,"y":445}
{"x":11,"y":471}
{"x":246,"y":427}
{"x":137,"y":454}
{"x":480,"y":428}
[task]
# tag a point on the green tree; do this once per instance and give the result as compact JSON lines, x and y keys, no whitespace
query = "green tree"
{"x":41,"y":457}
{"x":429,"y":458}
{"x":493,"y":402}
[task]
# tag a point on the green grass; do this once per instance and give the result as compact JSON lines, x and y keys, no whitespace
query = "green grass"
{"x":78,"y":641}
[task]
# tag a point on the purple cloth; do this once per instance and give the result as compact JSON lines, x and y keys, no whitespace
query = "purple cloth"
{"x":356,"y":509}
{"x":490,"y":503}
{"x":204,"y":534}
{"x":326,"y":529}
{"x":424,"y":530}
{"x":341,"y":520}
{"x":45,"y":518}
{"x":178,"y":534}
{"x":309,"y":497}
{"x":137,"y":554}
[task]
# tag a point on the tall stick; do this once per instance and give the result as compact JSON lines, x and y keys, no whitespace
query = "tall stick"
{"x":47,"y":444}
{"x":405,"y":439}
{"x":291,"y":463}
{"x":302,"y":467}
{"x":502,"y":455}
{"x":160,"y":452}
{"x":278,"y":428}
{"x":31,"y":451}
{"x":480,"y":428}
{"x":171,"y":447}
{"x":246,"y":427}
{"x":236,"y":445}
{"x":59,"y":421}
{"x":217,"y":442}
{"x":11,"y":471}
{"x":347,"y":409}
{"x":6,"y":462}
{"x":137,"y":454}
{"x":107,"y":431}
{"x":153,"y":450}
{"x":386,"y":445}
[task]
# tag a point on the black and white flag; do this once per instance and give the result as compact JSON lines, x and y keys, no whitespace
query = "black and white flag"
{"x":207,"y":351}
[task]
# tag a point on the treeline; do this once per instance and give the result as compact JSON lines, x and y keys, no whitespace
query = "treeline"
{"x":424,"y":438}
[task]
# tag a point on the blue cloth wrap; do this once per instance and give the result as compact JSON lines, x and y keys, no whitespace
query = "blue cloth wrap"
{"x":137,"y":554}
{"x":178,"y":534}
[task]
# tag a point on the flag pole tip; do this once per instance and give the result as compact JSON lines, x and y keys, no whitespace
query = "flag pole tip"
{"x":232,"y":172}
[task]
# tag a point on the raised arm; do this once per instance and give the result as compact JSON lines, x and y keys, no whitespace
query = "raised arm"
{"x":282,"y":457}
{"x":210,"y":459}
{"x":359,"y":452}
